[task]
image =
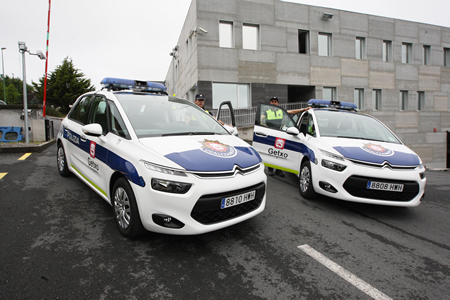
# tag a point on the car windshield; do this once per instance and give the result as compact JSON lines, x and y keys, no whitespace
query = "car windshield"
{"x":156,"y":115}
{"x":352,"y":125}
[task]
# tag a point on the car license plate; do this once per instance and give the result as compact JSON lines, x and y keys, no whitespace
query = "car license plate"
{"x":238,"y":199}
{"x":383,"y":186}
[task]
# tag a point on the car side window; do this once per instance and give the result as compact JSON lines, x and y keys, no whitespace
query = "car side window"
{"x":307,"y":125}
{"x":80,"y":112}
{"x":117,"y":124}
{"x":275,"y":117}
{"x":99,"y":115}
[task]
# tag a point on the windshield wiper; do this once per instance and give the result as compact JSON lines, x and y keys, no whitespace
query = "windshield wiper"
{"x":189,"y":133}
{"x":360,"y":138}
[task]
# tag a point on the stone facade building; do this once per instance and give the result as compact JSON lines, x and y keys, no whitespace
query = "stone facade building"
{"x":249,"y":50}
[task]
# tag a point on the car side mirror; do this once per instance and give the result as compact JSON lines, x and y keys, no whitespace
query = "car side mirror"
{"x":292,"y":131}
{"x":94,"y":129}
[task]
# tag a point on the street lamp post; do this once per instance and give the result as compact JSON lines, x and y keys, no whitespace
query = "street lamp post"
{"x":3,"y":77}
{"x":22,"y":49}
{"x":174,"y":57}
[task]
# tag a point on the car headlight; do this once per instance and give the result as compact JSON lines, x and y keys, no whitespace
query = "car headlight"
{"x":169,"y":186}
{"x":164,"y":170}
{"x":333,"y":166}
{"x":331,"y":155}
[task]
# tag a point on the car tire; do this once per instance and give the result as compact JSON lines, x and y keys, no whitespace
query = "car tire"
{"x":62,"y":161}
{"x":126,"y":213}
{"x":305,"y":181}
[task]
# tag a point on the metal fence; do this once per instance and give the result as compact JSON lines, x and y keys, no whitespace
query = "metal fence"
{"x":246,"y":116}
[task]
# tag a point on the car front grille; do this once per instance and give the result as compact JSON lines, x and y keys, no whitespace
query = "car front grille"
{"x":356,"y":186}
{"x":207,"y":209}
{"x":226,"y":174}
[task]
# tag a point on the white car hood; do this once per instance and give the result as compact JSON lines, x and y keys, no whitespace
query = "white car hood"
{"x":204,"y":153}
{"x":373,"y":152}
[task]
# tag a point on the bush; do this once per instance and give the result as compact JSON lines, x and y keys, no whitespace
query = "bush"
{"x":53,"y":112}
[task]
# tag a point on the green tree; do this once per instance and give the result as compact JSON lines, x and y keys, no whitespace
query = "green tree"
{"x":14,"y":91}
{"x":64,"y":86}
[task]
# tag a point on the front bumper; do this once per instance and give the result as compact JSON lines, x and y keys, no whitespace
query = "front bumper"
{"x":351,"y":184}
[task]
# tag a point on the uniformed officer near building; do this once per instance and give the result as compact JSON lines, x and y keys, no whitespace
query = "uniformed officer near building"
{"x":272,"y":117}
{"x":200,"y":102}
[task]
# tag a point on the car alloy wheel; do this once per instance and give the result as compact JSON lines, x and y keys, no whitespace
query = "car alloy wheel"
{"x":126,"y":212}
{"x":62,"y":162}
{"x":305,"y":181}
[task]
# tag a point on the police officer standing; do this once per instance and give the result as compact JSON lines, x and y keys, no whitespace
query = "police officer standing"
{"x":273,"y":118}
{"x":200,"y":102}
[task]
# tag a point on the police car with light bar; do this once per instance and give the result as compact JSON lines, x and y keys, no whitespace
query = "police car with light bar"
{"x":340,"y":153}
{"x":163,"y":163}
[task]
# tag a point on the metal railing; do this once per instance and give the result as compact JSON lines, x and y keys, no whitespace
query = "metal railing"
{"x":246,"y":116}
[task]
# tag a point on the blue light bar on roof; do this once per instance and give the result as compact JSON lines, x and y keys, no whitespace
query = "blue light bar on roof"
{"x":317,"y":103}
{"x":129,"y":84}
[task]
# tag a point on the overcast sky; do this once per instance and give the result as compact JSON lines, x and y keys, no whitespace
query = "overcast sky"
{"x":133,"y":38}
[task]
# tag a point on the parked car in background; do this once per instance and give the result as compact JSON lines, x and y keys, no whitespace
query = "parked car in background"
{"x":340,"y":153}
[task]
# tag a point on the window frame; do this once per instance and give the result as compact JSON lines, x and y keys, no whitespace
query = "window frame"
{"x":420,"y":100}
{"x":230,"y":26}
{"x":407,"y":53}
{"x":303,"y":35}
{"x":387,"y":51}
{"x":377,"y":99}
{"x":238,"y":93}
{"x":333,"y":93}
{"x":361,"y":47}
{"x":426,"y":55}
{"x":446,"y":57}
{"x":359,"y":98}
{"x":329,"y":47}
{"x":404,"y":100}
{"x":257,"y":37}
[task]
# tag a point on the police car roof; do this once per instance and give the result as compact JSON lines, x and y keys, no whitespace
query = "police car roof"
{"x":318,"y":103}
{"x":120,"y":84}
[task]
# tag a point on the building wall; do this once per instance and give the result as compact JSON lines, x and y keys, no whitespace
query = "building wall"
{"x":277,"y":65}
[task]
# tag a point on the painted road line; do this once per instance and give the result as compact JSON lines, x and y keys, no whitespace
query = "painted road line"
{"x":2,"y":175}
{"x":353,"y":279}
{"x":25,"y":156}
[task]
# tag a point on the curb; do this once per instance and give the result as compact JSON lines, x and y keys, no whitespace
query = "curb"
{"x":27,"y":149}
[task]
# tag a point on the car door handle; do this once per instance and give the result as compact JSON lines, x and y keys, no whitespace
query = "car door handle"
{"x":261,"y":134}
{"x":83,"y":138}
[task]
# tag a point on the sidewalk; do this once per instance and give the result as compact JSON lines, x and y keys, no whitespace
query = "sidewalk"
{"x":25,"y":148}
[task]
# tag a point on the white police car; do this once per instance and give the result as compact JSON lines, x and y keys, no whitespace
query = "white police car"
{"x":340,"y":153}
{"x":162,"y":162}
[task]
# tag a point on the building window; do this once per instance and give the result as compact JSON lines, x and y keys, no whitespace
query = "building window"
{"x":446,"y":57}
{"x":406,"y":53}
{"x":359,"y":98}
{"x":226,"y":34}
{"x":324,"y":44}
{"x":387,"y":51}
{"x":426,"y":55}
{"x":189,"y":47}
{"x":238,"y":94}
{"x":376,"y":96}
{"x":329,"y":93}
{"x":250,"y":36}
{"x":421,"y":100}
{"x":303,"y":41}
{"x":404,"y":100}
{"x":360,"y":48}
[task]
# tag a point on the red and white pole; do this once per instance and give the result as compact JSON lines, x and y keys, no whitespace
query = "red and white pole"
{"x":46,"y":55}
